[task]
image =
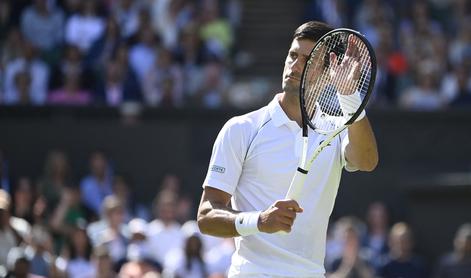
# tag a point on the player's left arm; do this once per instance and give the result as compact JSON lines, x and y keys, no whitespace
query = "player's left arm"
{"x":361,"y":151}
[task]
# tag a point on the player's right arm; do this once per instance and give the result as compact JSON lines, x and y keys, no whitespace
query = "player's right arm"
{"x":217,"y":218}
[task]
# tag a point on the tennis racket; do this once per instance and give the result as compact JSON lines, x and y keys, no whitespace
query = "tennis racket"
{"x":336,"y":84}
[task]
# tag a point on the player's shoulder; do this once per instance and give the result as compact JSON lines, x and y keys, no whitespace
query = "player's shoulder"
{"x":251,"y":120}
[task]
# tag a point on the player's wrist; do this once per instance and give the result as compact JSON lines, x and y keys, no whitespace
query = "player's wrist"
{"x":349,"y":103}
{"x":246,"y":223}
{"x":361,"y":116}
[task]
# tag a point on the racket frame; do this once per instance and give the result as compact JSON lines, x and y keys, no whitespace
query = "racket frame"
{"x":297,"y":182}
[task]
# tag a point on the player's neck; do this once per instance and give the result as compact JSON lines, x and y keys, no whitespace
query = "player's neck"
{"x":290,"y":105}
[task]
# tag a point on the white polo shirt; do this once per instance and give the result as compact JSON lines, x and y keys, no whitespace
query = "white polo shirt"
{"x":254,"y":158}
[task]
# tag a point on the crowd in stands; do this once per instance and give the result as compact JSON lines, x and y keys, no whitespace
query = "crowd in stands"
{"x":372,"y":248}
{"x":180,"y":53}
{"x":58,"y":226}
{"x":170,"y":53}
{"x":423,"y":48}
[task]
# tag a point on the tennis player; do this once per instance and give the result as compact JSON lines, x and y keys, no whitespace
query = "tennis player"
{"x":253,"y":160}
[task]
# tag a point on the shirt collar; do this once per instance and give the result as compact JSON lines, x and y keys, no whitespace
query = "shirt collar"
{"x":279,"y":116}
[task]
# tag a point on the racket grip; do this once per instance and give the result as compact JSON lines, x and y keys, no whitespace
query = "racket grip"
{"x":295,"y":189}
{"x":297,"y":184}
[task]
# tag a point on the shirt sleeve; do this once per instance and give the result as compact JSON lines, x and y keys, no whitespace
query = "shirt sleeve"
{"x":344,"y":141}
{"x":228,"y":156}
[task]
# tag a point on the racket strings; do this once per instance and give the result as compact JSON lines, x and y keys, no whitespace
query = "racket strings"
{"x":359,"y":86}
{"x":320,"y":96}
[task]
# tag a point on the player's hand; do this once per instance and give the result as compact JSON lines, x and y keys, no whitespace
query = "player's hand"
{"x":345,"y":75}
{"x":279,"y":217}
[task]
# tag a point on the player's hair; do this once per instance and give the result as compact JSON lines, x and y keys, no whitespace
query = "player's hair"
{"x":312,"y":30}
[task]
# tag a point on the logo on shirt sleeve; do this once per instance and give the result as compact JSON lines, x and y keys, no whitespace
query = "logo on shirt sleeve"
{"x":218,"y":169}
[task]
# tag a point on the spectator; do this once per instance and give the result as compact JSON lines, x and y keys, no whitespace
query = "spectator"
{"x":164,"y":232}
{"x":105,"y":46}
{"x":375,"y":241}
{"x":55,"y":178}
{"x":19,"y":265}
{"x":456,"y":87}
{"x":123,"y":191}
{"x":22,"y":88}
{"x":5,"y":19}
{"x":71,"y":93}
{"x":126,"y":13}
{"x":80,"y":255}
{"x":216,"y":252}
{"x":212,"y":91}
{"x":457,"y":264}
{"x":97,"y":184}
{"x":417,"y":33}
{"x":192,"y":264}
{"x":120,"y":85}
{"x":402,"y":261}
{"x":72,"y":63}
{"x":139,"y":248}
{"x":42,"y":25}
{"x":332,"y":12}
{"x":67,"y":214}
{"x":84,"y":28}
{"x":143,"y":54}
{"x":219,"y":258}
{"x":424,"y":95}
{"x":191,"y":54}
{"x":40,"y":252}
{"x":370,"y":15}
{"x":23,"y":197}
{"x":164,"y":73}
{"x":215,"y":31}
{"x":111,"y":231}
{"x":37,"y":70}
{"x":11,"y":47}
{"x":164,"y":16}
{"x":103,"y":263}
{"x":172,"y":183}
{"x":460,"y":47}
{"x":351,"y":264}
{"x":139,"y":269}
{"x":12,"y":230}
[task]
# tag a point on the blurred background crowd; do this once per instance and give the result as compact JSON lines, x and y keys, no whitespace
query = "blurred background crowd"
{"x":59,"y":226}
{"x":185,"y":53}
{"x":90,"y":52}
{"x":188,"y":53}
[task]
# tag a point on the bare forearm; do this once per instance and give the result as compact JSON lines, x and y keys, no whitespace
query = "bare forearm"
{"x":217,"y":219}
{"x":362,"y":151}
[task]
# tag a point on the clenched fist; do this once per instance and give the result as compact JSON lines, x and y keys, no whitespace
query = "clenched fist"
{"x":279,"y":216}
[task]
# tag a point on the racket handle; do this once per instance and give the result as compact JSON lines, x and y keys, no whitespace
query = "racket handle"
{"x":295,"y":189}
{"x":297,"y":184}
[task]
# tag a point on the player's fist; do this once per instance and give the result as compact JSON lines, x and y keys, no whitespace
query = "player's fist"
{"x":279,"y":217}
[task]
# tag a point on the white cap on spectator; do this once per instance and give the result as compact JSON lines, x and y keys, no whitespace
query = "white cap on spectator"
{"x":137,"y":226}
{"x":4,"y":200}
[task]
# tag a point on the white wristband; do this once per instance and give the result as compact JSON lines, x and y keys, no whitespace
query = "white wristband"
{"x":350,"y":103}
{"x":246,"y":223}
{"x":361,"y":116}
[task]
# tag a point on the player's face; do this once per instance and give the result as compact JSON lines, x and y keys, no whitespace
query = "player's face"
{"x":294,"y":65}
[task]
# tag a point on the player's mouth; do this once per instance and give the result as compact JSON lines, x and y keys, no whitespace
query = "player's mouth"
{"x":292,"y":77}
